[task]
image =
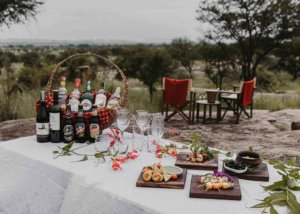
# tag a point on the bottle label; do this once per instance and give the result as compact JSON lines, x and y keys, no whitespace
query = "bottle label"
{"x":100,"y":100}
{"x":42,"y":129}
{"x":68,"y":133}
{"x":87,"y":105}
{"x":94,"y":130}
{"x":114,"y":104}
{"x":80,"y":129}
{"x":74,"y":105}
{"x":55,"y":121}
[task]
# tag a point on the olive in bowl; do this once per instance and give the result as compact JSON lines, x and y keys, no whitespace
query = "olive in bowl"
{"x":249,"y":158}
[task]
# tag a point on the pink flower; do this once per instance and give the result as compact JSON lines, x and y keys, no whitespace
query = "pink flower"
{"x":132,"y":155}
{"x":120,"y":160}
{"x":173,"y":152}
{"x":158,"y":154}
{"x":154,"y":142}
{"x":116,"y":166}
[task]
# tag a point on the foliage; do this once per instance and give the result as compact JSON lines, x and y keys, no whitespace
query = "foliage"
{"x":147,"y":64}
{"x":17,"y":11}
{"x":257,"y":26}
{"x":31,"y":59}
{"x":220,"y":62}
{"x":266,"y":80}
{"x":184,"y":51}
{"x":280,"y":193}
{"x":289,"y":57}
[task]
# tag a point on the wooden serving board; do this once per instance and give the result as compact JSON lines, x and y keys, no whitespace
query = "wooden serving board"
{"x":198,"y":191}
{"x":173,"y":184}
{"x":208,"y":165}
{"x":260,"y":173}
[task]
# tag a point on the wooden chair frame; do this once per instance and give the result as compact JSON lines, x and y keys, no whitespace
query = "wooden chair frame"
{"x":191,"y":103}
{"x":235,"y":104}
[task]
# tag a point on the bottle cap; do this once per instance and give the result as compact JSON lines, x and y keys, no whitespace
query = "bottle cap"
{"x":42,"y":95}
{"x":63,"y":78}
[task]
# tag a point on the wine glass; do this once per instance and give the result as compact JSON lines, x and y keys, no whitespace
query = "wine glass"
{"x":123,"y":120}
{"x":159,"y":121}
{"x":143,"y":119}
{"x":102,"y":143}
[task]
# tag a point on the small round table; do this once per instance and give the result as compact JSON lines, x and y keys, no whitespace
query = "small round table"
{"x":216,"y":104}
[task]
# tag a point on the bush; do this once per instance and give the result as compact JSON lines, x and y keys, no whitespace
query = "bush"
{"x":266,"y":80}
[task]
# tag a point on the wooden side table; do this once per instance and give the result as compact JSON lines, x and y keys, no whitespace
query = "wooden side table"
{"x":210,"y":106}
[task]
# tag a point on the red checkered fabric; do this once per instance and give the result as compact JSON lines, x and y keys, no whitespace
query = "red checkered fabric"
{"x":105,"y":115}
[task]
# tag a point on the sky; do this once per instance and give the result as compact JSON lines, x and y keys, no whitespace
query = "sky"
{"x":128,"y":20}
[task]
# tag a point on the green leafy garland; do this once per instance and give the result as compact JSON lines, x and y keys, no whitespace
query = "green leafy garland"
{"x":280,"y":193}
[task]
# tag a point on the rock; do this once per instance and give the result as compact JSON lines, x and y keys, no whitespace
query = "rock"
{"x":295,"y":124}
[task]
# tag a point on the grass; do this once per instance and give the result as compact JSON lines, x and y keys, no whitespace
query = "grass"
{"x":277,"y":102}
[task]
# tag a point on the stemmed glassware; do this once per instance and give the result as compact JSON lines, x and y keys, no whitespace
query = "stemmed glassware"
{"x":153,"y":137}
{"x":143,"y":119}
{"x":159,"y":121}
{"x":123,"y":119}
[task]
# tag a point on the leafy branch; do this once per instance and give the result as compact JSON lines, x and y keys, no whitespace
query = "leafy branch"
{"x":280,"y":193}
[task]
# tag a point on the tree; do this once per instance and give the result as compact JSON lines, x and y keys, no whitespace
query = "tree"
{"x":258,"y":26}
{"x":17,"y":11}
{"x":220,"y":61}
{"x":289,"y":57}
{"x":148,"y":64}
{"x":185,"y":52}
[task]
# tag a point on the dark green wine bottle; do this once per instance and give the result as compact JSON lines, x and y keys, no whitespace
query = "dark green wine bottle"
{"x":55,"y":117}
{"x":80,"y":128}
{"x":94,"y":125}
{"x":42,"y":121}
{"x":68,"y":128}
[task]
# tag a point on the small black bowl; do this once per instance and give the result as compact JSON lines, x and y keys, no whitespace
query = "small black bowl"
{"x":249,"y":158}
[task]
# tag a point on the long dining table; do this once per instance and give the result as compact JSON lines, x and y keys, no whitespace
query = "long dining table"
{"x":32,"y":181}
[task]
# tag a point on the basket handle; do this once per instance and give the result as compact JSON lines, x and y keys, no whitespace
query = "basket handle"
{"x":124,"y":97}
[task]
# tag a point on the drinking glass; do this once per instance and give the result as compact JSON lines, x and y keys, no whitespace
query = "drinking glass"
{"x":152,"y":138}
{"x":159,"y":120}
{"x":102,"y":143}
{"x":143,"y":119}
{"x":138,"y":138}
{"x":123,"y":120}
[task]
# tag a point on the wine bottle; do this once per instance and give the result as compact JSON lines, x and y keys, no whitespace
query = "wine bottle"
{"x":55,"y":119}
{"x":87,"y":98}
{"x":101,"y":98}
{"x":114,"y":100}
{"x":42,"y":121}
{"x":75,"y":96}
{"x":62,"y":93}
{"x":68,"y":129}
{"x":94,"y":125}
{"x":80,"y":126}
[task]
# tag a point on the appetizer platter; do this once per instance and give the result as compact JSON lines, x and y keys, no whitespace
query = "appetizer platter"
{"x":248,"y":166}
{"x":159,"y":176}
{"x":201,"y":159}
{"x":217,"y":185}
{"x":199,"y":156}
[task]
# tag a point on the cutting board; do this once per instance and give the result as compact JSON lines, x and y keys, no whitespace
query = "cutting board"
{"x":173,"y":184}
{"x":260,"y":173}
{"x":208,"y":165}
{"x":198,"y":191}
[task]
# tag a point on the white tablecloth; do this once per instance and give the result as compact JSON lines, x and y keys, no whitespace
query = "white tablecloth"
{"x":32,"y":181}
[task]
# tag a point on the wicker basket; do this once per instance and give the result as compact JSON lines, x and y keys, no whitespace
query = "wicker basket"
{"x":106,"y":116}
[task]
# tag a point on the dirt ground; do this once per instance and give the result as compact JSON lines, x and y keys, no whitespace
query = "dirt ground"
{"x":268,"y":132}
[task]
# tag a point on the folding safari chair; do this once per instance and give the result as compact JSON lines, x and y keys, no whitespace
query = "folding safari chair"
{"x":175,"y":95}
{"x":239,"y":100}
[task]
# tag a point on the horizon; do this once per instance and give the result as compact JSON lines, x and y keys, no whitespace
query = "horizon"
{"x":133,"y":21}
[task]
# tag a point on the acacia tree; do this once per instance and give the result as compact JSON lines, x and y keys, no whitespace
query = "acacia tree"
{"x":220,"y":61}
{"x":257,"y":26}
{"x":184,"y":51}
{"x":289,"y":57}
{"x":17,"y":11}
